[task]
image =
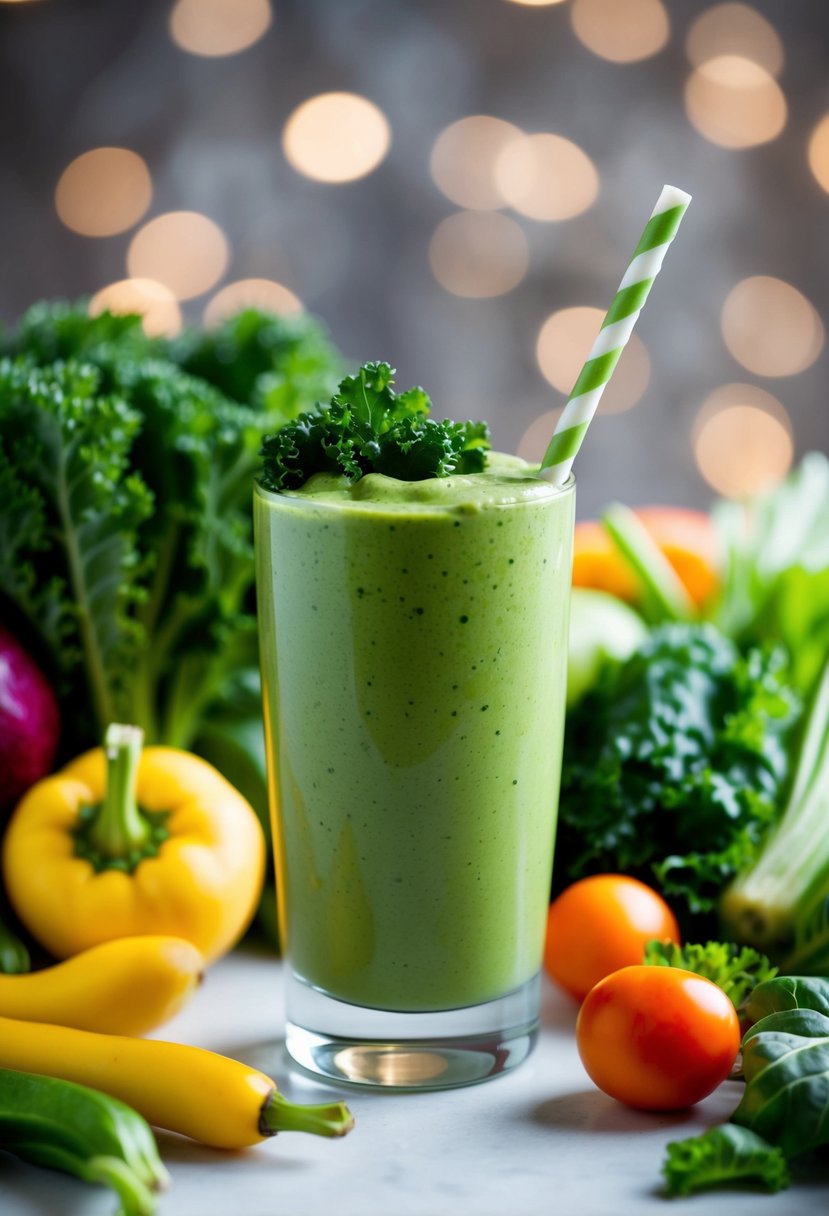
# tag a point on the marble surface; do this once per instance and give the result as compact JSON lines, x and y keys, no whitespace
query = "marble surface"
{"x":541,"y":1140}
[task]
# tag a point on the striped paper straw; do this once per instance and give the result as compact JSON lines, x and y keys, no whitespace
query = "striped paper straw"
{"x":613,"y":337}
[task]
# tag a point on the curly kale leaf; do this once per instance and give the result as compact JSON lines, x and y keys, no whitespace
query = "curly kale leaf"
{"x":70,"y":561}
{"x":279,"y":365}
{"x":125,"y":537}
{"x":368,"y":428}
{"x":58,"y":330}
{"x":675,"y":763}
{"x":738,"y":970}
{"x":723,"y":1156}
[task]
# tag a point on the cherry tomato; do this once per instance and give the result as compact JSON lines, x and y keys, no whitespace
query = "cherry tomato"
{"x":658,"y":1038}
{"x":600,"y":924}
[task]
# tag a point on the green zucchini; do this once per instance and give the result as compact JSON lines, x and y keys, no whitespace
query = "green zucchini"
{"x":80,"y":1131}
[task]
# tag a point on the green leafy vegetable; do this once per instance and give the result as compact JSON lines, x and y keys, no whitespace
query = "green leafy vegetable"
{"x":721,"y":1156}
{"x":277,"y":365}
{"x":775,"y":559}
{"x":69,"y":556}
{"x":674,"y":765}
{"x":788,"y":992}
{"x":738,"y":970}
{"x":784,"y":1110}
{"x":126,"y":554}
{"x":368,"y":428}
{"x":786,"y":1066}
{"x":780,"y":902}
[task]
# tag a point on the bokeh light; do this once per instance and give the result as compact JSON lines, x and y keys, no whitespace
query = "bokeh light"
{"x":742,"y":440}
{"x":734,"y":102}
{"x":182,"y":249}
{"x":770,"y":327}
{"x":152,"y":301}
{"x":819,"y":152}
{"x":103,"y":191}
{"x":464,"y":157}
{"x":562,"y":349}
{"x":534,"y":442}
{"x":251,"y":293}
{"x":622,"y":31}
{"x":535,"y":3}
{"x":546,"y":177}
{"x":735,"y":29}
{"x":478,"y":254}
{"x":218,"y":27}
{"x":336,"y":137}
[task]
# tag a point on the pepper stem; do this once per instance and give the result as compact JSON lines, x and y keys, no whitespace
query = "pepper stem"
{"x":280,"y":1115}
{"x":119,"y":828}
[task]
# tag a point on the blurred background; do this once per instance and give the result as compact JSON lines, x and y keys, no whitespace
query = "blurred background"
{"x":454,"y":186}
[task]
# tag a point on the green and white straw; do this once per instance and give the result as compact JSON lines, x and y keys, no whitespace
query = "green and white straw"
{"x":613,"y":337}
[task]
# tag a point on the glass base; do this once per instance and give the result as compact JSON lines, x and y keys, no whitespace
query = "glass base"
{"x":409,"y":1051}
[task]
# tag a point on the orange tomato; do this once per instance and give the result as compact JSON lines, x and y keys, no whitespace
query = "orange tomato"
{"x":600,"y":924}
{"x":686,"y":538}
{"x":657,"y":1038}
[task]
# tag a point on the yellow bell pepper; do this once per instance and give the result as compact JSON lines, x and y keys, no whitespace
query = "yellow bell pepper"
{"x":123,"y":842}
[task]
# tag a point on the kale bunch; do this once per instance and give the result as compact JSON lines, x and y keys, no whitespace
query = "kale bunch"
{"x":675,"y":764}
{"x":126,"y":469}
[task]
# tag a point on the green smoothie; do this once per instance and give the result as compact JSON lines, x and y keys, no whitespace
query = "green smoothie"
{"x":414,"y":641}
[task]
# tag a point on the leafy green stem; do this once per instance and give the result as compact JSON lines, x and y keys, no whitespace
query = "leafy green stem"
{"x":96,"y":672}
{"x":165,"y":558}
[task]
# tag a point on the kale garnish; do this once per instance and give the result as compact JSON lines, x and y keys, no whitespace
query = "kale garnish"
{"x":368,"y":428}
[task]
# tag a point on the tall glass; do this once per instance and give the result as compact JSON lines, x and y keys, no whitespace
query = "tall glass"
{"x":414,"y":661}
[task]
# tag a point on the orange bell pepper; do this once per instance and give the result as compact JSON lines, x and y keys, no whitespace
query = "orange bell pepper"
{"x":686,"y":538}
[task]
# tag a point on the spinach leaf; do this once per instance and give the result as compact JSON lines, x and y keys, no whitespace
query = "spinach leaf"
{"x":786,"y":1066}
{"x":786,"y":992}
{"x":722,"y":1155}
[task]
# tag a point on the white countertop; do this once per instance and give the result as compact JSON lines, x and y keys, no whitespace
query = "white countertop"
{"x":541,"y":1141}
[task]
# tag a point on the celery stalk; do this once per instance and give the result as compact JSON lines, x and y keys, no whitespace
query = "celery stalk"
{"x":781,"y":905}
{"x":664,"y":597}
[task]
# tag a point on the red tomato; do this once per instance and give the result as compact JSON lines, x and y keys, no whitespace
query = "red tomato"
{"x":658,"y":1038}
{"x":600,"y":924}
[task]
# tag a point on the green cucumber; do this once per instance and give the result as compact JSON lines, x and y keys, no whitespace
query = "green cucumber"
{"x":80,"y":1131}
